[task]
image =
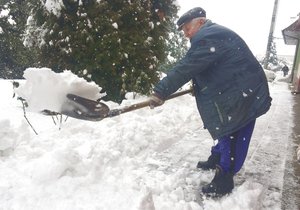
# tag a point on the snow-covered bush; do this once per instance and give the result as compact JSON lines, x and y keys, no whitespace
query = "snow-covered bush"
{"x":270,"y":75}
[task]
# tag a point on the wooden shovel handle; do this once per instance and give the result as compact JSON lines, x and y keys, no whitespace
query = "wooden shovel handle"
{"x":180,"y":93}
{"x":143,"y":104}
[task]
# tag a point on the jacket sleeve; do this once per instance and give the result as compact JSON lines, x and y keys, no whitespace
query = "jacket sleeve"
{"x":200,"y":57}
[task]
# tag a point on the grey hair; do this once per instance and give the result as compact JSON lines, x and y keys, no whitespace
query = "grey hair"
{"x":198,"y":18}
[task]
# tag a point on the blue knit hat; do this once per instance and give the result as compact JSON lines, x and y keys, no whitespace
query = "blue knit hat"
{"x":190,"y":15}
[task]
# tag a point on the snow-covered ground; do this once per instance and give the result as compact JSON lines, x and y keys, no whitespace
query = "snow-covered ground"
{"x":142,"y":160}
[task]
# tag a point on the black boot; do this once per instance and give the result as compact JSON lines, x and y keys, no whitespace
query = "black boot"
{"x":221,"y":184}
{"x":213,"y":159}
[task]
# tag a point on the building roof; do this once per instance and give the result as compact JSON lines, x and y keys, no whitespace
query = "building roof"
{"x":291,"y":34}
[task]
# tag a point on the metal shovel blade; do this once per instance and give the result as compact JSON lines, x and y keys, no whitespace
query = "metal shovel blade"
{"x":84,"y":109}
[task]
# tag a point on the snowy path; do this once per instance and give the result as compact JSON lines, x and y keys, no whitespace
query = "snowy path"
{"x":259,"y":184}
{"x":142,"y":160}
{"x":268,"y":150}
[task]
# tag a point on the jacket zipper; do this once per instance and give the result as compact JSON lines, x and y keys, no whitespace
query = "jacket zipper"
{"x":219,"y":112}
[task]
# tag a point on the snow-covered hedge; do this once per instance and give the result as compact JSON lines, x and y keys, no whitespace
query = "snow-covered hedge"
{"x":270,"y":75}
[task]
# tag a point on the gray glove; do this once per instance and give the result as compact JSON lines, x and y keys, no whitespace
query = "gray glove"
{"x":155,"y":100}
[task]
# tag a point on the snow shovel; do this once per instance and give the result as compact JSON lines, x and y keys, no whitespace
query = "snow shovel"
{"x":86,"y":109}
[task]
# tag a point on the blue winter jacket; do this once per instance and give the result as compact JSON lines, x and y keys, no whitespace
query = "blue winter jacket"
{"x":230,"y":85}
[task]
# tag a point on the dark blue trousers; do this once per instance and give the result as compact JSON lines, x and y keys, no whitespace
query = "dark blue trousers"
{"x":234,"y":148}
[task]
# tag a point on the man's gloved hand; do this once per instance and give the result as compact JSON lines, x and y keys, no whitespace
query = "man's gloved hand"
{"x":155,"y":100}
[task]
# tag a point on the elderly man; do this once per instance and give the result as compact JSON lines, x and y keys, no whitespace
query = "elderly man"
{"x":230,"y":88}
